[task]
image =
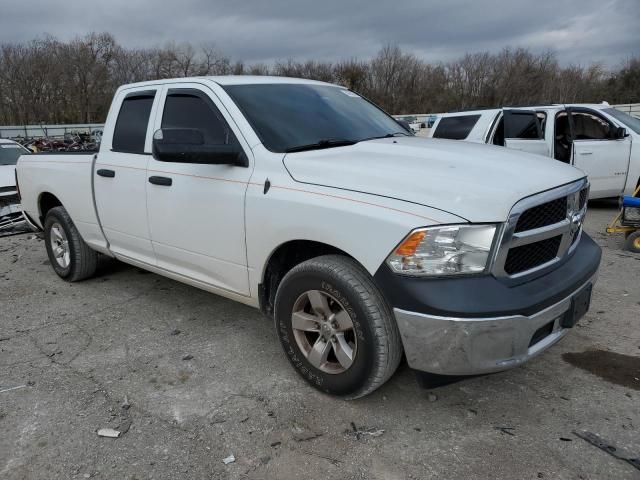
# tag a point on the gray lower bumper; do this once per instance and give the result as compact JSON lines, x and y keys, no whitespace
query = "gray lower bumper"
{"x":470,"y":346}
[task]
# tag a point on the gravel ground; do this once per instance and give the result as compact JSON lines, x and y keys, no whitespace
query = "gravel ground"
{"x":192,"y":378}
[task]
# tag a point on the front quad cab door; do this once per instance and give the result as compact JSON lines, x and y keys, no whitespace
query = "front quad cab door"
{"x":601,"y":150}
{"x":523,"y":131}
{"x":120,"y":175}
{"x":197,"y":180}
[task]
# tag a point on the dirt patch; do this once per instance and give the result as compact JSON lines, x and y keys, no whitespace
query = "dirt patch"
{"x":613,"y":367}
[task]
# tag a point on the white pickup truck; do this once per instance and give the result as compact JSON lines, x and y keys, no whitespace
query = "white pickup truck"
{"x":303,"y":199}
{"x":597,"y":138}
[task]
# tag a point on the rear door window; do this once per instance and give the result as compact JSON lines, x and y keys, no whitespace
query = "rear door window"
{"x":522,"y":125}
{"x":130,"y":131}
{"x":456,"y":128}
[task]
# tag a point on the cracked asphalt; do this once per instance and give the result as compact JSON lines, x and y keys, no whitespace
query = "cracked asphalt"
{"x":191,"y":378}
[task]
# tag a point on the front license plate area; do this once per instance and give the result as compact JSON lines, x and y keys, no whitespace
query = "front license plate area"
{"x":580,"y":303}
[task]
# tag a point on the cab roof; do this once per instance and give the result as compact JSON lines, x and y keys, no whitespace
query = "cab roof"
{"x":232,"y":80}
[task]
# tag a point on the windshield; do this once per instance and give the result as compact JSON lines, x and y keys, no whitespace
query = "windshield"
{"x":289,"y":116}
{"x":9,"y":153}
{"x":630,"y":122}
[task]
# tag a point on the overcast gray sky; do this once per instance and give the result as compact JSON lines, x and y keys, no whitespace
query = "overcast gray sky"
{"x":580,"y":31}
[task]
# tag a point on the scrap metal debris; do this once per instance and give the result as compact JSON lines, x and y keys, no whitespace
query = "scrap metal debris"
{"x":109,"y":433}
{"x":229,"y":459}
{"x":602,"y":444}
{"x":506,"y":430}
{"x":360,"y":433}
{"x":13,"y":388}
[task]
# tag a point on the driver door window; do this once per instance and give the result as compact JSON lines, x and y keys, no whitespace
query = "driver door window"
{"x":598,"y":153}
{"x":587,"y":126}
{"x":190,"y":109}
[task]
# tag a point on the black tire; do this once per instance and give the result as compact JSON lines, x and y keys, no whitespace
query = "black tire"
{"x":83,"y":260}
{"x":379,"y":348}
{"x":632,"y":243}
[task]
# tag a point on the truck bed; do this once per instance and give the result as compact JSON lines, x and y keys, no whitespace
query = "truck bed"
{"x":65,"y":177}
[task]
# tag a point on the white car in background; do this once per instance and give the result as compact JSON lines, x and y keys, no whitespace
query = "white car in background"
{"x":10,"y":211}
{"x":596,"y":138}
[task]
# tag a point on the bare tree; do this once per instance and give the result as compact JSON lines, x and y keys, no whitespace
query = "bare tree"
{"x":46,"y":80}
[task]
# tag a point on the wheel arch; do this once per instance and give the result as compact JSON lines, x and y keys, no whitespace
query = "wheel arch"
{"x":282,"y":259}
{"x":47,"y":201}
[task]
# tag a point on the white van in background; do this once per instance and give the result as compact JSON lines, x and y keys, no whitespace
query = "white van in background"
{"x":593,"y":137}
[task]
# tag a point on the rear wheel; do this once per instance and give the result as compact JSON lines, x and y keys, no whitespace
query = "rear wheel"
{"x":336,"y":328}
{"x":632,"y":243}
{"x":69,"y":255}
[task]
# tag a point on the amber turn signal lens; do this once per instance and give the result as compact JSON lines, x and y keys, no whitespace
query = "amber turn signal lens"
{"x":410,"y":245}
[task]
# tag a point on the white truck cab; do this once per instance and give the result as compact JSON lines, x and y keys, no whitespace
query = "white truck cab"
{"x":596,"y":138}
{"x":361,"y":241}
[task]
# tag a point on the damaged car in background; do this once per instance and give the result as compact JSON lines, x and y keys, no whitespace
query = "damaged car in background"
{"x":10,"y":211}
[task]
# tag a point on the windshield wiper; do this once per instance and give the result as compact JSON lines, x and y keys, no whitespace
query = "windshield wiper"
{"x":324,"y":143}
{"x":388,"y":135}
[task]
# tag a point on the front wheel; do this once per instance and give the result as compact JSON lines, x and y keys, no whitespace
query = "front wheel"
{"x":336,"y":328}
{"x":71,"y":258}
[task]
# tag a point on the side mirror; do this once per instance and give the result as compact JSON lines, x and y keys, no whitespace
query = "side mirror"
{"x":186,"y":145}
{"x":404,"y":124}
{"x":619,"y":133}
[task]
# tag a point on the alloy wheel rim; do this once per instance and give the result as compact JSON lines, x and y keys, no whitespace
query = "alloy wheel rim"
{"x":324,"y":333}
{"x":60,"y":245}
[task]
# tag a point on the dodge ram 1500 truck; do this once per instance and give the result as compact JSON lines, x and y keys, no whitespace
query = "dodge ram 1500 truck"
{"x":305,"y":200}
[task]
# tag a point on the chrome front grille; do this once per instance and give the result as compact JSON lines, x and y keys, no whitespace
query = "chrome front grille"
{"x":541,"y":230}
{"x":542,"y":215}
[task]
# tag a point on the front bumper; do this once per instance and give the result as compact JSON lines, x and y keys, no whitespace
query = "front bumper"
{"x":512,"y":323}
{"x":471,"y":346}
{"x":11,"y":215}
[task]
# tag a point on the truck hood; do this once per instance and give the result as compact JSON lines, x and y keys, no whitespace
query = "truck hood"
{"x":7,"y":176}
{"x":477,"y":182}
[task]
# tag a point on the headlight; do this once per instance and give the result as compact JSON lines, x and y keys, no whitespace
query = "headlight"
{"x":450,"y":250}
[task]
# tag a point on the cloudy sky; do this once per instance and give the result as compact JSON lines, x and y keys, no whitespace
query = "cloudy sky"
{"x":580,"y":31}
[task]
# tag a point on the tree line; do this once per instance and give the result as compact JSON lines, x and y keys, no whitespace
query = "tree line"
{"x":50,"y":81}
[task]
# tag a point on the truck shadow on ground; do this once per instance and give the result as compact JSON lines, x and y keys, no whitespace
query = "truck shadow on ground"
{"x":610,"y":366}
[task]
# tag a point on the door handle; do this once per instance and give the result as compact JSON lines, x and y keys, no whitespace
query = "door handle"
{"x":104,"y":172}
{"x":164,"y":181}
{"x":586,"y":153}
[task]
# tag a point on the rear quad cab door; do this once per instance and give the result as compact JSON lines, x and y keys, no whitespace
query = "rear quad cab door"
{"x":523,"y":131}
{"x":598,"y":153}
{"x":120,"y":174}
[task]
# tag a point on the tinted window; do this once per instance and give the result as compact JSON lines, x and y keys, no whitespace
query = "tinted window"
{"x":587,"y":126}
{"x":193,"y":110}
{"x":521,"y":125}
{"x":456,"y":128}
{"x":10,"y":152}
{"x":630,"y":122}
{"x":286,"y":116}
{"x":131,"y":126}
